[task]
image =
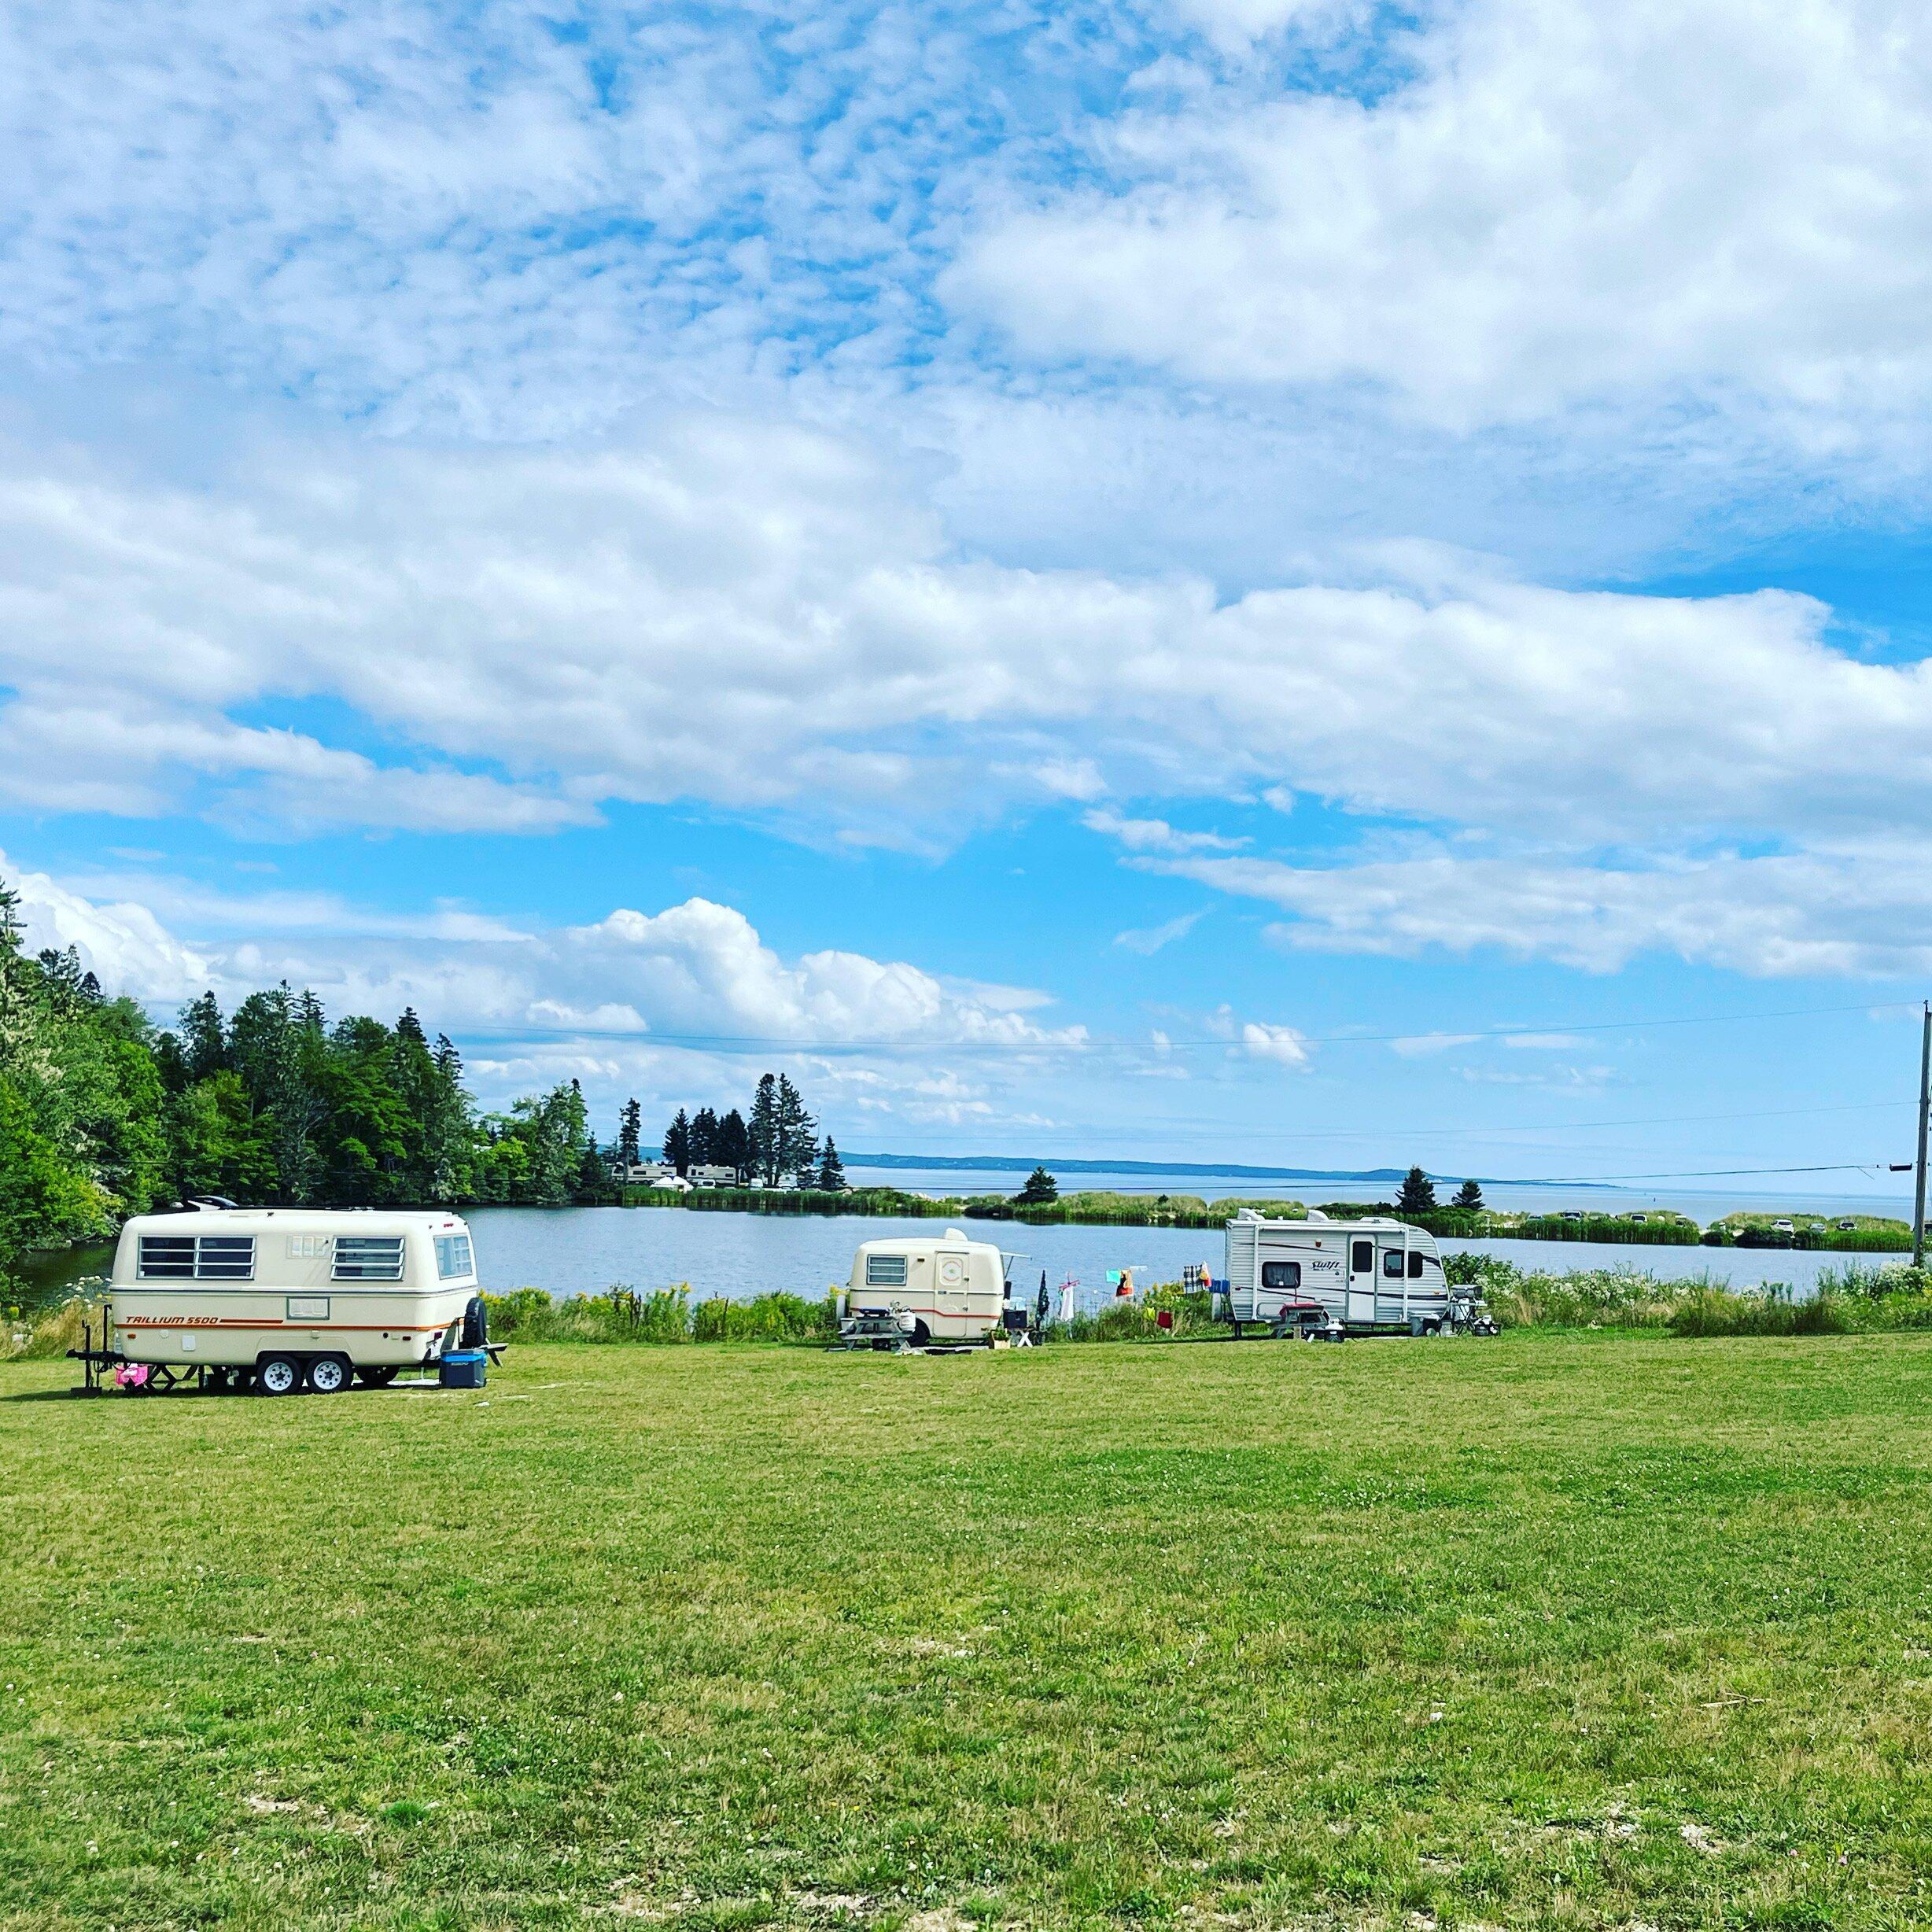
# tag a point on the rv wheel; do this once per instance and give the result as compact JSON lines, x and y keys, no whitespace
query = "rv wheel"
{"x":922,"y":1336}
{"x":277,"y":1375}
{"x":327,"y":1374}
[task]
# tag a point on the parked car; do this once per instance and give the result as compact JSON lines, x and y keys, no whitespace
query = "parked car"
{"x":1782,"y":1226}
{"x":1848,"y":1226}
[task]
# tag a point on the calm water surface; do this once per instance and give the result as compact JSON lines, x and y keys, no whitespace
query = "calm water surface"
{"x":571,"y":1251}
{"x":567,"y":1251}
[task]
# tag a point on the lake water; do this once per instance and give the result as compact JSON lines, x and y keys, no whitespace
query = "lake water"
{"x":570,"y":1250}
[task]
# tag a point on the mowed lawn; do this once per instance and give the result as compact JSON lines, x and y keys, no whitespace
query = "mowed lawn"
{"x":1545,"y":1631}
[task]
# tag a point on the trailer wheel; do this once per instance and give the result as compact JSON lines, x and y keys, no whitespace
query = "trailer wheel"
{"x":327,"y":1375}
{"x":922,"y":1336}
{"x":278,"y":1375}
{"x":376,"y":1378}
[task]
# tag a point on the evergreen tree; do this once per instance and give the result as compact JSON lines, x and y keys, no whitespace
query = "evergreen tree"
{"x":704,"y":1137}
{"x":1419,"y":1194}
{"x":734,"y":1145}
{"x":830,"y":1178}
{"x":1470,"y":1195}
{"x":766,"y":1149}
{"x":1040,"y":1189}
{"x":593,"y":1178}
{"x":796,"y":1151}
{"x":630,"y":1135}
{"x":677,"y":1142}
{"x":204,"y":1043}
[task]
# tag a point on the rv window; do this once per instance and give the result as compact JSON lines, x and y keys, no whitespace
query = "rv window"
{"x":1415,"y":1267}
{"x":1362,"y":1260}
{"x":885,"y":1270}
{"x":1391,"y":1264}
{"x":1280,"y":1275}
{"x":453,"y":1259}
{"x":368,"y":1258}
{"x":188,"y":1258}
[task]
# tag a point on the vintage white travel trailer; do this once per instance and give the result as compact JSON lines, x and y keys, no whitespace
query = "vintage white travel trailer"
{"x":283,"y":1298}
{"x":944,"y":1287}
{"x":1368,"y":1273}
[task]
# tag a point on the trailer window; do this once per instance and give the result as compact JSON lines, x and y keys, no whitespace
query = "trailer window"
{"x":1416,"y":1265}
{"x":1280,"y":1275}
{"x":1361,"y":1261}
{"x":453,"y":1259}
{"x":885,"y":1270}
{"x":1391,"y":1264}
{"x":368,"y":1258}
{"x":196,"y":1258}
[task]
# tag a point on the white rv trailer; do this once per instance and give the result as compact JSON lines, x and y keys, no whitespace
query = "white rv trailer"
{"x":1374,"y":1273}
{"x":289,"y":1297}
{"x":952,"y":1289}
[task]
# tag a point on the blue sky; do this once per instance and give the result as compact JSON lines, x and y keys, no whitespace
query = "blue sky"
{"x":1277,"y":580}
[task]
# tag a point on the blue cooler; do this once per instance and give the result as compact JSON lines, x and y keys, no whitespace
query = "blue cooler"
{"x":463,"y":1368}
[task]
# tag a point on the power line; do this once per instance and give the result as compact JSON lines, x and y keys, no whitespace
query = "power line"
{"x":1090,"y":1043}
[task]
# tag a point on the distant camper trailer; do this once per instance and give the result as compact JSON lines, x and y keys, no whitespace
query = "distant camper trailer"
{"x":954,"y":1289}
{"x":1365,"y":1274}
{"x":291,"y":1296}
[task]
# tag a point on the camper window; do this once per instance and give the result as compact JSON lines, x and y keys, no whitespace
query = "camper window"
{"x":196,"y":1258}
{"x":368,"y":1258}
{"x":453,"y":1259}
{"x":885,"y":1270}
{"x":1280,"y":1275}
{"x":1362,"y":1259}
{"x":1392,"y":1264}
{"x":1416,"y":1265}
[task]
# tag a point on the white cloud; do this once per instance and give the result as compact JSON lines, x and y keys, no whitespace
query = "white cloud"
{"x":1420,"y":1044}
{"x":120,"y":941}
{"x":1856,"y":909}
{"x":1151,"y":939}
{"x":1285,"y":1045}
{"x":758,"y":616}
{"x":1551,"y":205}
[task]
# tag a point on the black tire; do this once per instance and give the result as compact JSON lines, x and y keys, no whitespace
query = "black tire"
{"x":376,"y":1378}
{"x":328,"y":1375}
{"x":278,"y":1375}
{"x":922,"y":1336}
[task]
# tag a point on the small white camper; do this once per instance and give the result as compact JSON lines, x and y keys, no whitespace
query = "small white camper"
{"x":1364,"y":1274}
{"x":943,"y":1286}
{"x":282,"y":1298}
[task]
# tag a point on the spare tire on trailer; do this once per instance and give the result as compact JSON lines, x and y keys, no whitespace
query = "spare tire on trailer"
{"x":476,"y":1324}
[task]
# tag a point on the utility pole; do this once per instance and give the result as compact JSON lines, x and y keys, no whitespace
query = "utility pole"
{"x":1925,"y":1122}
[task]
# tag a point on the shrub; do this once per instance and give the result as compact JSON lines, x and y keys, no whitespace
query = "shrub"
{"x":1712,"y":1311}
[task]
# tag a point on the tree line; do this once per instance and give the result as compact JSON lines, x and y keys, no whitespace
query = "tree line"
{"x":778,"y":1143}
{"x":103,"y":1115}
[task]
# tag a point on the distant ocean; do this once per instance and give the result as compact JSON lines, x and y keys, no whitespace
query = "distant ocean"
{"x":1702,"y":1207}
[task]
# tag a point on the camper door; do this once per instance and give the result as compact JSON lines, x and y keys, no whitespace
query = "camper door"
{"x":1361,"y":1279}
{"x":952,"y":1278}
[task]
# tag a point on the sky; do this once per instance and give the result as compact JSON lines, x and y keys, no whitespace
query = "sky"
{"x":1298,"y":582}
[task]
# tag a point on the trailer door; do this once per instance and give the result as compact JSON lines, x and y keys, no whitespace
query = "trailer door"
{"x":1361,"y":1280}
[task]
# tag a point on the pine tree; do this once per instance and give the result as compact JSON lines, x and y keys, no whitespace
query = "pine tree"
{"x":734,"y":1145}
{"x":831,"y":1178}
{"x":1469,"y":1196}
{"x":1040,"y":1188}
{"x":797,"y":1153}
{"x":204,"y":1044}
{"x":1419,"y":1194}
{"x":766,"y":1150}
{"x":630,"y":1135}
{"x":677,"y":1142}
{"x":704,"y":1137}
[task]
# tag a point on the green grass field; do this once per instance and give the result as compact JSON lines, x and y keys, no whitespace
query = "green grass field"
{"x":1546,"y":1631}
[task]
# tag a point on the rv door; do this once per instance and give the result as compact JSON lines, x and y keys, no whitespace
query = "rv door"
{"x":953,"y":1282}
{"x":1361,"y":1280}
